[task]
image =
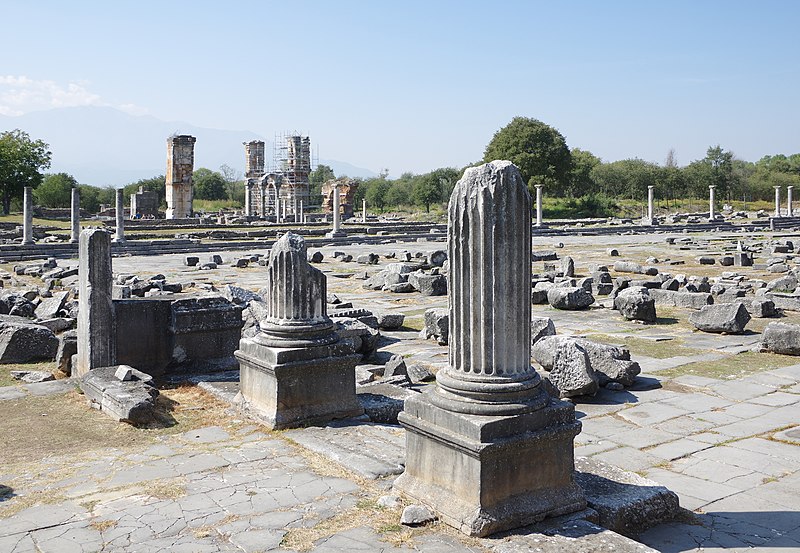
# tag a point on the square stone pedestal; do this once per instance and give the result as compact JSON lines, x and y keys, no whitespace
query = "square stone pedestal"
{"x":291,"y":387}
{"x":487,"y":474}
{"x":336,"y":234}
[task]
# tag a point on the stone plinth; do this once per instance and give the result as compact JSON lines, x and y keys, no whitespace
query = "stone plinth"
{"x":296,"y":371}
{"x":487,"y":448}
{"x":180,"y":166}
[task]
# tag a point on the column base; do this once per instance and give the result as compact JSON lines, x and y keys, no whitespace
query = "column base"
{"x":28,"y":242}
{"x":487,"y":474}
{"x":335,"y":234}
{"x":647,"y":222}
{"x":118,"y":240}
{"x":292,"y":387}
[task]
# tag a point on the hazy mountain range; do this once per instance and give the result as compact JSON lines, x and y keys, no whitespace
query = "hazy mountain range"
{"x":104,"y":146}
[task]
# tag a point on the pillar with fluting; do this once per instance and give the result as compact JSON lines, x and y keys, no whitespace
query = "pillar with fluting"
{"x":75,"y":215}
{"x":363,"y":211}
{"x":538,"y":205}
{"x":27,"y":215}
{"x":650,"y":207}
{"x":789,"y":210}
{"x":296,"y":371}
{"x":777,"y":201}
{"x":336,"y":231}
{"x":488,"y":411}
{"x":712,"y":208}
{"x":119,"y":237}
{"x":97,"y":337}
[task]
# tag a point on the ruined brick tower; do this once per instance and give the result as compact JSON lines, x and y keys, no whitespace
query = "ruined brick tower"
{"x":254,"y":151}
{"x":180,"y":165}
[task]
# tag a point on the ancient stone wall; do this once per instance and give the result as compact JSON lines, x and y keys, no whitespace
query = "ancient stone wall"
{"x":347,"y":193}
{"x":180,"y":165}
{"x":144,"y":204}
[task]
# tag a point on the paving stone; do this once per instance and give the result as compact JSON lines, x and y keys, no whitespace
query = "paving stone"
{"x":628,"y":458}
{"x":677,"y":449}
{"x":685,"y":484}
{"x":651,"y":413}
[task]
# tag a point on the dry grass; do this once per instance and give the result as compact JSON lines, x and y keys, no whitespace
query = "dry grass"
{"x":663,"y":349}
{"x":167,"y":489}
{"x":733,"y":366}
{"x":103,"y":525}
{"x":5,"y":371}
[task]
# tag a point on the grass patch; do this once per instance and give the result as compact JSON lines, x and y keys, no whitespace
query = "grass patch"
{"x":733,"y":366}
{"x":413,"y":323}
{"x":663,"y":349}
{"x":103,"y":525}
{"x":16,"y":218}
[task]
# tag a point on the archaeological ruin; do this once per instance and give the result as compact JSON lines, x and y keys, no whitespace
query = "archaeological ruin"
{"x":297,"y":374}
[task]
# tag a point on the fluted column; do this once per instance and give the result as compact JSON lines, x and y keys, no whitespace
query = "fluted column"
{"x":296,"y":296}
{"x":75,"y":215}
{"x":538,"y":205}
{"x":777,"y":201}
{"x":789,"y":210}
{"x":712,"y":209}
{"x":120,"y":216}
{"x":27,"y":215}
{"x":489,"y":368}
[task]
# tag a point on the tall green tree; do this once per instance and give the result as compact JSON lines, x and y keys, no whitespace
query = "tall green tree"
{"x":55,"y":190}
{"x":375,"y":192}
{"x":627,"y":177}
{"x":208,"y":185}
{"x":316,"y":178}
{"x":537,"y":149}
{"x":580,"y":177}
{"x":21,"y":163}
{"x":153,"y":184}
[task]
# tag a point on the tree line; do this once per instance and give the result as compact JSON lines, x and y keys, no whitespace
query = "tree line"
{"x":539,"y":150}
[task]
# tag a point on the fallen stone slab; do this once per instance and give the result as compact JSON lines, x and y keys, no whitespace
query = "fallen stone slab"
{"x":781,"y":338}
{"x":50,"y":307}
{"x":693,"y":300}
{"x":390,"y":321}
{"x":32,"y":377}
{"x":626,"y":502}
{"x":21,"y":341}
{"x":608,"y":363}
{"x":730,"y":318}
{"x":436,"y":325}
{"x":132,"y":401}
{"x":569,"y":298}
{"x":541,"y":327}
{"x":382,"y":402}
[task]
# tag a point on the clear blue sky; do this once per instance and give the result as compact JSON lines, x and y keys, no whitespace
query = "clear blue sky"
{"x":415,"y":85}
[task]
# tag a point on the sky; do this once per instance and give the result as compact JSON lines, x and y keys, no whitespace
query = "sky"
{"x":416,"y":85}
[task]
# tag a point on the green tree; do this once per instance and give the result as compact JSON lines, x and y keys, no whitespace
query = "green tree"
{"x":234,"y":184}
{"x":435,"y":187}
{"x":401,"y":190}
{"x":208,"y":184}
{"x":375,"y":192}
{"x":538,"y":150}
{"x":21,"y":160}
{"x":153,"y":184}
{"x":55,"y":190}
{"x":580,"y":177}
{"x":627,"y":177}
{"x":316,"y":178}
{"x":89,"y":198}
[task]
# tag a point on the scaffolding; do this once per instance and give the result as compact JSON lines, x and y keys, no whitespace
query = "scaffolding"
{"x":292,"y":162}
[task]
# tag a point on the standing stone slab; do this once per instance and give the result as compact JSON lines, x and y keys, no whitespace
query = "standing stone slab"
{"x":96,"y":320}
{"x":296,"y":371}
{"x":487,"y":448}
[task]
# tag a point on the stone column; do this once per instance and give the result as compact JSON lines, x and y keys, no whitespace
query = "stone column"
{"x":337,"y":231}
{"x":363,"y":211}
{"x":263,"y":200}
{"x":27,"y":216}
{"x":712,"y":208}
{"x":277,"y":204}
{"x":650,"y":208}
{"x":97,"y":345}
{"x":508,"y":448}
{"x":302,"y":213}
{"x":248,"y":201}
{"x":777,"y":201}
{"x":538,"y":205}
{"x":119,"y":238}
{"x":789,"y":210}
{"x":296,"y":371}
{"x":75,"y":215}
{"x":283,"y":209}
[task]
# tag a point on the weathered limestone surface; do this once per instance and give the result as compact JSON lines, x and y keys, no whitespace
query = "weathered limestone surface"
{"x":296,"y":370}
{"x":506,"y":443}
{"x":180,"y":165}
{"x":781,"y":338}
{"x":725,"y":317}
{"x":96,"y":319}
{"x":21,"y":341}
{"x":132,"y":400}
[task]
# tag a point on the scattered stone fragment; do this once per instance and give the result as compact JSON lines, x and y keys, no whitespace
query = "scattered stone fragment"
{"x":390,"y":321}
{"x":67,"y":347}
{"x":416,"y":515}
{"x":571,"y":373}
{"x":32,"y":377}
{"x":131,"y":401}
{"x":191,"y":260}
{"x":730,"y":318}
{"x":396,"y":366}
{"x":436,"y":325}
{"x":635,"y":303}
{"x":316,"y":257}
{"x":781,"y":338}
{"x":541,"y":327}
{"x":571,"y":298}
{"x":419,"y":373}
{"x":762,"y":308}
{"x":21,"y":341}
{"x":388,"y":501}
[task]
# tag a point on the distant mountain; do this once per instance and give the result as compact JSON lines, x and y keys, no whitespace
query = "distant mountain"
{"x":107,"y":147}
